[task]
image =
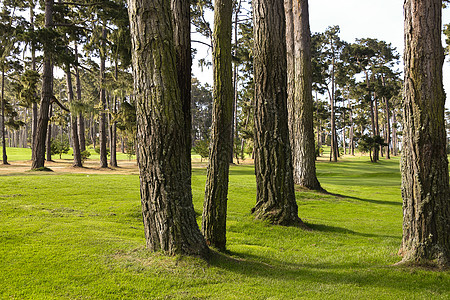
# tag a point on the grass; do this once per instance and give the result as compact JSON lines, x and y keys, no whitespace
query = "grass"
{"x":80,"y":236}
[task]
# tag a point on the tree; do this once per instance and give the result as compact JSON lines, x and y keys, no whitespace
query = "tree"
{"x":300,"y":103}
{"x":275,"y":197}
{"x":166,"y":196}
{"x":425,"y":178}
{"x":215,"y":204}
{"x":39,"y":139}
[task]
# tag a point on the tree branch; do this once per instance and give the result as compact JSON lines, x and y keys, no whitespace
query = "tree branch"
{"x":54,"y":100}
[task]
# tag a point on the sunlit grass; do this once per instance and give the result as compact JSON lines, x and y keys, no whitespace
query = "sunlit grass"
{"x":77,"y":236}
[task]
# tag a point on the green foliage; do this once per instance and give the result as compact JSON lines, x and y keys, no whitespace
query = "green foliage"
{"x":201,"y":147}
{"x":97,"y":150}
{"x":131,"y":149}
{"x":59,"y":147}
{"x":85,"y":155}
{"x":371,"y":144}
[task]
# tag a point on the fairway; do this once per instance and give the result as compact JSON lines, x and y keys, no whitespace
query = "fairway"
{"x":78,"y":234}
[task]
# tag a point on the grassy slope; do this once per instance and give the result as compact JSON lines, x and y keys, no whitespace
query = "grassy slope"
{"x":80,"y":236}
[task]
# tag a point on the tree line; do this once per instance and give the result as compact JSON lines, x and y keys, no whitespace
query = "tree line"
{"x":278,"y":65}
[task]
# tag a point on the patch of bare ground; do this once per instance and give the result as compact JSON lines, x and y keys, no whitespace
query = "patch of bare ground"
{"x":59,"y":166}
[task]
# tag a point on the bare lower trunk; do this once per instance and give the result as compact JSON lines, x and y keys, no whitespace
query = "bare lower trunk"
{"x":46,"y":96}
{"x":425,"y":178}
{"x":5,"y":157}
{"x":81,"y":135}
{"x":73,"y":121}
{"x":300,"y":105}
{"x":215,"y":204}
{"x":166,"y":196}
{"x":275,"y":198}
{"x":102,"y":124}
{"x":49,"y":137}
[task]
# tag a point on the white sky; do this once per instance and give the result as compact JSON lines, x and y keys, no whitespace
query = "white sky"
{"x":380,"y":19}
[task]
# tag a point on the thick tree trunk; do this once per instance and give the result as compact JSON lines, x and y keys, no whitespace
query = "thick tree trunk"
{"x":275,"y":197}
{"x":38,"y":153}
{"x":334,"y":151}
{"x":34,"y":116}
{"x":102,"y":124}
{"x":425,"y":178}
{"x":300,"y":102}
{"x":73,"y":122}
{"x":215,"y":204}
{"x":166,"y":196}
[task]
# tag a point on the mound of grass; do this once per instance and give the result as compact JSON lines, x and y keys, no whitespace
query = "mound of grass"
{"x":74,"y":236}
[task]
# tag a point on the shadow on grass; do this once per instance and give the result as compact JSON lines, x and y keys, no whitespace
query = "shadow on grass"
{"x":334,"y":229}
{"x":347,"y":274}
{"x":364,"y":200}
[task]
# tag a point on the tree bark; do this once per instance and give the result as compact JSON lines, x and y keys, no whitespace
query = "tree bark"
{"x":300,"y":102}
{"x":4,"y":155}
{"x":81,"y":130}
{"x":275,"y":197}
{"x":215,"y":204}
{"x":38,"y":154}
{"x":166,"y":196}
{"x":182,"y":42}
{"x":102,"y":124}
{"x":73,"y":121}
{"x":48,"y":144}
{"x":425,"y":178}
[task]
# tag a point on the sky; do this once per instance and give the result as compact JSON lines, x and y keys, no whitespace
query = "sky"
{"x":380,"y":19}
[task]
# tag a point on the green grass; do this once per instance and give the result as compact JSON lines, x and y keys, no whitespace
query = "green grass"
{"x":78,"y":236}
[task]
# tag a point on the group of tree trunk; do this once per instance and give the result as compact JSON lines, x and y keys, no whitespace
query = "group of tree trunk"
{"x":287,"y":65}
{"x":165,"y":172}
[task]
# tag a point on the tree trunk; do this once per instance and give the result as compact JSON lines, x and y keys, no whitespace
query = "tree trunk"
{"x":5,"y":157}
{"x":300,"y":102}
{"x":425,"y":178}
{"x":182,"y":42}
{"x":48,"y":144}
{"x":73,"y":121}
{"x":215,"y":205}
{"x":275,"y":197}
{"x":102,"y":125}
{"x":166,"y":196}
{"x":334,"y":147}
{"x":388,"y":128}
{"x":394,"y":135}
{"x":81,"y":135}
{"x":113,"y":137}
{"x":38,"y":154}
{"x":34,"y":116}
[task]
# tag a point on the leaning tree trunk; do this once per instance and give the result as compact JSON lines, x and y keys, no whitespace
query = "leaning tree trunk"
{"x":425,"y":180}
{"x":275,"y":200}
{"x":102,"y":123}
{"x":300,"y":105}
{"x":215,"y":204}
{"x":73,"y":121}
{"x":38,"y":153}
{"x":166,"y":196}
{"x":48,"y":144}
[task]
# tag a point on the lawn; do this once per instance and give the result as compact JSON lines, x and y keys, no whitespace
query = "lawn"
{"x":80,"y":236}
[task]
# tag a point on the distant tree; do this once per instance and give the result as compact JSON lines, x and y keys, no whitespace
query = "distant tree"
{"x":168,"y":212}
{"x":201,"y":147}
{"x":425,"y":177}
{"x":275,"y":197}
{"x":60,"y":147}
{"x":371,"y":144}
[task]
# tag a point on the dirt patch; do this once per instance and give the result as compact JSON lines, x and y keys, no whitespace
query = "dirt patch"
{"x":65,"y":166}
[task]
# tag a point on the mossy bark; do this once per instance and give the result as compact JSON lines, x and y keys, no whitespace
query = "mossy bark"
{"x":275,"y":200}
{"x":215,"y":204}
{"x":166,"y":196}
{"x":425,"y":180}
{"x":300,"y":102}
